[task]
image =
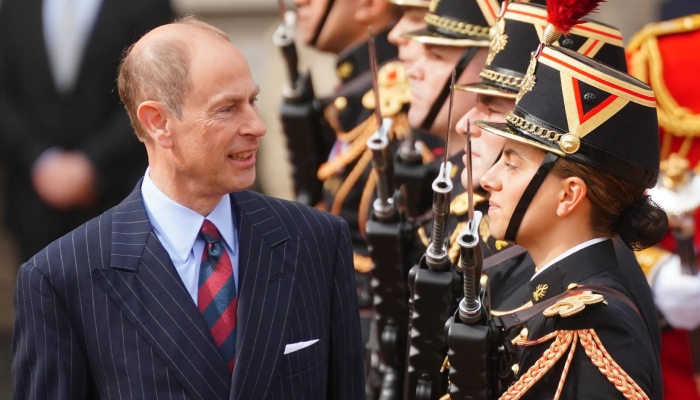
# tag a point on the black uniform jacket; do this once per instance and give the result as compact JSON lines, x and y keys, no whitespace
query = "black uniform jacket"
{"x":623,"y":331}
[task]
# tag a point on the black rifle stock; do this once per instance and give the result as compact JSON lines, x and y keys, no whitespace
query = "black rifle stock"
{"x":301,"y":119}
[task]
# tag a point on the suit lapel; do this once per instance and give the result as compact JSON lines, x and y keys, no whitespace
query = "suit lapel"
{"x":144,"y":284}
{"x":267,"y":266}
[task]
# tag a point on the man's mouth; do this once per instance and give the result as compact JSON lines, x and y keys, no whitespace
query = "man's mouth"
{"x":244,"y":155}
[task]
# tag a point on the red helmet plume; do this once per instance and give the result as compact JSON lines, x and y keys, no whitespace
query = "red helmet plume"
{"x":564,"y":14}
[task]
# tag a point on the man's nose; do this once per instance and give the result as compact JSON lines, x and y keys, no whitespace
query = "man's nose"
{"x":395,"y":36}
{"x":253,"y":125}
{"x":415,"y":71}
{"x":467,"y":120}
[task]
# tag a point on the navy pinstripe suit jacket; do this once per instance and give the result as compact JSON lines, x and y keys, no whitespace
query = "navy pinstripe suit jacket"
{"x":102,"y":313}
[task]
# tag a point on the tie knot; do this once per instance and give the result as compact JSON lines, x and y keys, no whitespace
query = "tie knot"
{"x":209,"y":232}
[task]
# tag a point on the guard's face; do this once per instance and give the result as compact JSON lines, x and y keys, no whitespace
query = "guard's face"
{"x":427,"y":77}
{"x":309,"y":14}
{"x":486,"y":147}
{"x":215,"y":142}
{"x":412,"y":20}
{"x":506,"y":182}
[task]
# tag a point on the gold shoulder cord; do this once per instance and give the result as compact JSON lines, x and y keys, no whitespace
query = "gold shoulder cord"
{"x":646,"y":64}
{"x":567,"y":340}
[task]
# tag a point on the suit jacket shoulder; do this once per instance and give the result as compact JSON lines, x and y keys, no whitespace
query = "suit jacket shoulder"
{"x":297,"y":218}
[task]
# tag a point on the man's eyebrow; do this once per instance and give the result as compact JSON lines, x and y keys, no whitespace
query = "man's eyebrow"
{"x":237,"y":97}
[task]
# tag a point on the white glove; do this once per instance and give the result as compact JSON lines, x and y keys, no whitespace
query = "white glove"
{"x":677,"y":295}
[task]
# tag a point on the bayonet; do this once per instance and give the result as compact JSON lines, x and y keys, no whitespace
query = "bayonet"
{"x":471,"y":258}
{"x":436,"y":254}
{"x":382,"y":159}
{"x":375,"y":77}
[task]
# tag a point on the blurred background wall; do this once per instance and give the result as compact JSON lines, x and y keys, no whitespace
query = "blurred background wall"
{"x":250,"y":24}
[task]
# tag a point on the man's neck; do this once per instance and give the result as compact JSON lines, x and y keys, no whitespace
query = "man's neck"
{"x":185,"y":193}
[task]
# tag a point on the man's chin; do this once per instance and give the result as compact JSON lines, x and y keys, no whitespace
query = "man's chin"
{"x":415,"y":117}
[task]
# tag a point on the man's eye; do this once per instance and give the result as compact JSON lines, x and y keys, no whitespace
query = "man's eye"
{"x":254,"y":101}
{"x":510,"y":165}
{"x":228,"y":109}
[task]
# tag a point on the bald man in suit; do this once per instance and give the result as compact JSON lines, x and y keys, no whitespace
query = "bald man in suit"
{"x":192,"y":287}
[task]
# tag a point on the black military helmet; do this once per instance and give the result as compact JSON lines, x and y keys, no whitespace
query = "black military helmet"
{"x":582,"y":110}
{"x":459,"y":23}
{"x":519,"y":30}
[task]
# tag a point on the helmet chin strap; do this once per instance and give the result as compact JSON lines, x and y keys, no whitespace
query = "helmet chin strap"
{"x":321,"y":23}
{"x":461,"y":65}
{"x":530,"y":191}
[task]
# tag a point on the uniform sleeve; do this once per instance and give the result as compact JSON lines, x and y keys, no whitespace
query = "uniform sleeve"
{"x":47,"y":361}
{"x":346,"y":370}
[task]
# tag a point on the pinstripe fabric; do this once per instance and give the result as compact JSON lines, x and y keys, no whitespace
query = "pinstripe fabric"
{"x":102,"y":313}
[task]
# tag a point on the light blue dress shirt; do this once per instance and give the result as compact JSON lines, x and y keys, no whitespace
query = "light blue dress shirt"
{"x":177,"y":227}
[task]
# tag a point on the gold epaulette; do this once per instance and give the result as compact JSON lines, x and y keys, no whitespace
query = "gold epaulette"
{"x":649,"y":259}
{"x":460,"y":204}
{"x":566,"y":341}
{"x":646,"y":64}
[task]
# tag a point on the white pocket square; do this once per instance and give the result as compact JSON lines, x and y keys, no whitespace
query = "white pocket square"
{"x":292,"y":347}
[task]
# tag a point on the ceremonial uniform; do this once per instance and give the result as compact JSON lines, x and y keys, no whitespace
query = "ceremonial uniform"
{"x":659,"y":55}
{"x":614,"y":340}
{"x":596,"y":342}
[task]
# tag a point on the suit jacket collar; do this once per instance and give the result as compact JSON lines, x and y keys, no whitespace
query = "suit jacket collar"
{"x":143,"y":283}
{"x":142,"y":280}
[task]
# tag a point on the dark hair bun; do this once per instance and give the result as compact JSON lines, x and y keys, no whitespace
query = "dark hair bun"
{"x":643,"y":225}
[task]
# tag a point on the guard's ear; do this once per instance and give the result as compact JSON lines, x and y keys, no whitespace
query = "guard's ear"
{"x":369,"y":10}
{"x":154,"y":118}
{"x":571,"y":196}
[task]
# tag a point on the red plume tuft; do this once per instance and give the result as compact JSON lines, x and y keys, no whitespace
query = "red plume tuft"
{"x":564,"y":14}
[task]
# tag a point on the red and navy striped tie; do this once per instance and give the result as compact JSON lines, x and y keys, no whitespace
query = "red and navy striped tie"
{"x":217,"y":300}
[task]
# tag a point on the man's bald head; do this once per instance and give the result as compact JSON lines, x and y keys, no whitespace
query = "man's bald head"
{"x":157,"y":66}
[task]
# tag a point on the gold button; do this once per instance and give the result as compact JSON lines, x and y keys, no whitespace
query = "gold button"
{"x":345,"y":70}
{"x":572,"y":286}
{"x":516,"y":369}
{"x":570,"y":143}
{"x":340,"y":103}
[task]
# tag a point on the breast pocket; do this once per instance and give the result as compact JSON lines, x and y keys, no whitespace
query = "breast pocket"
{"x":303,"y":359}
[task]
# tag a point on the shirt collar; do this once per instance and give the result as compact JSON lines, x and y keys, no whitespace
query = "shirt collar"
{"x":178,"y":225}
{"x":569,"y":252}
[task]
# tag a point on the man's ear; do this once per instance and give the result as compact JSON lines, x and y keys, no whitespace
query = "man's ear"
{"x":154,"y":116}
{"x":572,"y":195}
{"x":369,"y":10}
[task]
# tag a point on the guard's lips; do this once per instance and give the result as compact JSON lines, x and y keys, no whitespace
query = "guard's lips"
{"x":243,"y":155}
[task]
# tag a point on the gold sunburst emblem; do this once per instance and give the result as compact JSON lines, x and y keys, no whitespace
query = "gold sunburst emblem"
{"x":498,"y":42}
{"x":540,"y":291}
{"x":529,"y":79}
{"x":394,"y":90}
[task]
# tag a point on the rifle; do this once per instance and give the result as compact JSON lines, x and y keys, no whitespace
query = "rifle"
{"x":387,"y":250}
{"x":431,"y":285}
{"x":299,"y":116}
{"x":468,"y":335}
